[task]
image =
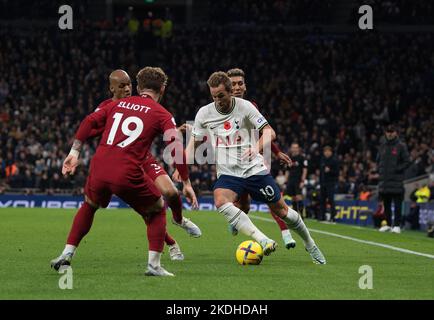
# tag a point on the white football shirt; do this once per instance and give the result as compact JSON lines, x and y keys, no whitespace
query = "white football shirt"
{"x":231,"y":134}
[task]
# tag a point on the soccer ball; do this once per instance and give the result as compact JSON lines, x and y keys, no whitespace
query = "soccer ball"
{"x":249,"y":252}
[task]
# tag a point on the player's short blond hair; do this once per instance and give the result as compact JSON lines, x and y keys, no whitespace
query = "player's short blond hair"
{"x":218,"y":78}
{"x":236,"y":72}
{"x":152,"y":78}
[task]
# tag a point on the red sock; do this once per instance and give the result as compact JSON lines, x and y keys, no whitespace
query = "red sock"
{"x":81,"y":225}
{"x":157,"y":231}
{"x":169,"y":240}
{"x":175,"y":203}
{"x":280,"y":222}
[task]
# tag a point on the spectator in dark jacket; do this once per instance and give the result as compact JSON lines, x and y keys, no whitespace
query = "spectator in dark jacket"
{"x":329,"y":173}
{"x":393,"y":158}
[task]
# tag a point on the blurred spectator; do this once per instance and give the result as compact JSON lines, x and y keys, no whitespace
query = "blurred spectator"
{"x":271,"y":12}
{"x":365,"y":194}
{"x":393,"y":159}
{"x":329,"y":173}
{"x":418,"y":196}
{"x":398,"y":11}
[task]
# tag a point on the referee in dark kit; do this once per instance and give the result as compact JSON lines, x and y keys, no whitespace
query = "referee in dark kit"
{"x":296,"y":176}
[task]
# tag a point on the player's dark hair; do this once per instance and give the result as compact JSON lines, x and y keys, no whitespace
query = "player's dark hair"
{"x":152,"y":78}
{"x":236,"y":72}
{"x":218,"y":78}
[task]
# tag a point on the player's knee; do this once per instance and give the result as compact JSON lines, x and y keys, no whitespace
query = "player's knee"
{"x":293,"y":215}
{"x":90,"y":202}
{"x":220,"y":201}
{"x":171,"y":194}
{"x":155,"y":208}
{"x":280,"y":209}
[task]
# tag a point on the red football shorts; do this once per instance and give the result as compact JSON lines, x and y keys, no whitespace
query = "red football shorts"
{"x":153,"y":169}
{"x":138,"y":195}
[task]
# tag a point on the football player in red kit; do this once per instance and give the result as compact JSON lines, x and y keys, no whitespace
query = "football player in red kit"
{"x":130,"y":126}
{"x":120,"y":87}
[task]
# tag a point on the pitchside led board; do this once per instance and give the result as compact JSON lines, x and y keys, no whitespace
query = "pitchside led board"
{"x":352,"y":212}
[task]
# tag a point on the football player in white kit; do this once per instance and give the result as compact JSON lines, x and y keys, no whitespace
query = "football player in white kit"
{"x":228,"y":124}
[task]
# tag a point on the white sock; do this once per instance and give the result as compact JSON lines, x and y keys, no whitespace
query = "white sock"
{"x":69,"y":249}
{"x":241,"y":221}
{"x":294,"y":222}
{"x":154,"y":258}
{"x":287,"y":233}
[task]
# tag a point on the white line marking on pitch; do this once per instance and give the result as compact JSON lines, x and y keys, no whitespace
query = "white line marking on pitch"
{"x":372,"y":243}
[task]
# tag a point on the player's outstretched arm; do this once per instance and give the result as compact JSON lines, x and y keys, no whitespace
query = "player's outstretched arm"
{"x":189,"y":155}
{"x":190,"y":195}
{"x":267,"y":136}
{"x":284,"y":158}
{"x":92,"y":121}
{"x":70,"y":164}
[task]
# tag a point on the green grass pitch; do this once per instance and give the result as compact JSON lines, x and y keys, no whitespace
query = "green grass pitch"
{"x":111,"y":261}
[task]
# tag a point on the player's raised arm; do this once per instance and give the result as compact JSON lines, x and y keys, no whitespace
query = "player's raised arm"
{"x":198,"y":134}
{"x":266,"y":131}
{"x":190,"y":151}
{"x":92,"y":121}
{"x":282,"y":156}
{"x":264,"y":142}
{"x":173,"y":137}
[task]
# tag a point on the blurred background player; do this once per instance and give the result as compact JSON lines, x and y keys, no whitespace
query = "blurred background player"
{"x":120,"y":87}
{"x":128,"y":135}
{"x":392,"y":160}
{"x":329,"y":173}
{"x":240,"y":165}
{"x":296,"y":176}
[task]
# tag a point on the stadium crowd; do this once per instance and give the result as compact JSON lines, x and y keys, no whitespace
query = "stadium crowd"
{"x":41,"y":9}
{"x":399,"y":11}
{"x":261,"y":12}
{"x":315,"y":89}
{"x":299,"y":12}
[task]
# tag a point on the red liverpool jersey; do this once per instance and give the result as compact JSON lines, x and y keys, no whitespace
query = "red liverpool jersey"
{"x":130,"y":126}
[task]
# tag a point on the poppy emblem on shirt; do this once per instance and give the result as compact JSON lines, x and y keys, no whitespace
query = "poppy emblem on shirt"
{"x":227,"y":125}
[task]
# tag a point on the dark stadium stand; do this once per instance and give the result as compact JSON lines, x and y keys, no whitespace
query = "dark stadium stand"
{"x":316,"y":88}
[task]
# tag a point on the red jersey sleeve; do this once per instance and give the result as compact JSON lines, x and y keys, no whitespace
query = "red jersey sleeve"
{"x":96,"y":132}
{"x":95,"y":120}
{"x":274,"y":147}
{"x":168,"y":127}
